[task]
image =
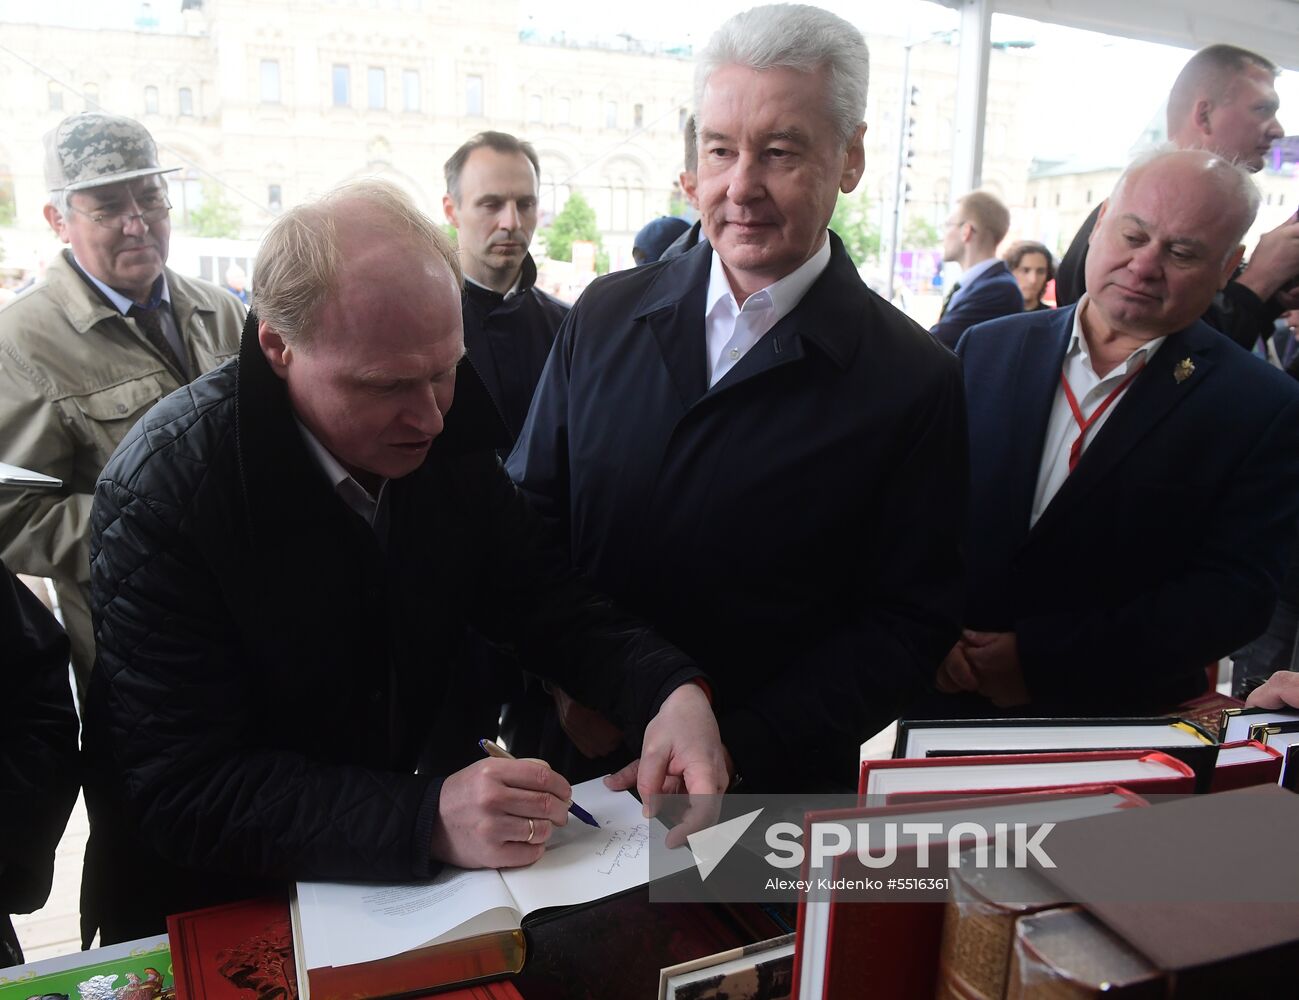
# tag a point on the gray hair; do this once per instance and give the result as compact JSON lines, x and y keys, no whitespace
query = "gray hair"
{"x":798,"y":37}
{"x":59,"y":199}
{"x":299,"y":260}
{"x":1235,"y":182}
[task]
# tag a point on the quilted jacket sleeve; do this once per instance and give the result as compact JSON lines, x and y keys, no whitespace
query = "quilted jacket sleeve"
{"x":38,"y":746}
{"x":174,"y":705}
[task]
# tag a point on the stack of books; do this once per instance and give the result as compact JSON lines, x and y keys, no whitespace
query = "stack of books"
{"x":1113,"y":795}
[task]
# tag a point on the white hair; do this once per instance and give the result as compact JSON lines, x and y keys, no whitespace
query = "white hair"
{"x":1238,"y":187}
{"x":799,"y":37}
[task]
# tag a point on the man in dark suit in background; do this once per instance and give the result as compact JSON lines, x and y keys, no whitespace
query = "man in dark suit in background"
{"x":986,"y":288}
{"x":750,"y":448}
{"x":1135,"y":475}
{"x":1224,"y":100}
{"x":510,"y":323}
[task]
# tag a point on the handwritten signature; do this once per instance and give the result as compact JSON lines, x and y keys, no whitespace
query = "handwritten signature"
{"x":623,"y":847}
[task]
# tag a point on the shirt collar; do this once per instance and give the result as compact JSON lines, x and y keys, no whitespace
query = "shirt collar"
{"x":353,"y":493}
{"x":513,"y":290}
{"x":974,"y":270}
{"x":122,"y":303}
{"x":1078,"y":346}
{"x":782,"y":295}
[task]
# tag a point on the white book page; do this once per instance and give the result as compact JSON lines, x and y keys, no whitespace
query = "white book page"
{"x":1238,"y":725}
{"x":345,"y":923}
{"x":1025,"y":774}
{"x":1011,"y":738}
{"x":1241,"y":755}
{"x":581,"y":863}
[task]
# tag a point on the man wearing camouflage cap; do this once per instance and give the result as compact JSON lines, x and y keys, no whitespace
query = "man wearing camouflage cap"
{"x":85,"y":353}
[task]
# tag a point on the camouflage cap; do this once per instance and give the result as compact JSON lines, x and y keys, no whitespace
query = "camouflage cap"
{"x":92,"y":148}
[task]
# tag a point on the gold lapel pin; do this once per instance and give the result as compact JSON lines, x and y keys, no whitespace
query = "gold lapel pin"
{"x":1184,"y":370}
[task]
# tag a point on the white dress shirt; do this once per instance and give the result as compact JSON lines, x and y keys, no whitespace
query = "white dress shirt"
{"x":733,"y":329}
{"x":123,"y":304}
{"x":1089,"y":390}
{"x":371,"y":509}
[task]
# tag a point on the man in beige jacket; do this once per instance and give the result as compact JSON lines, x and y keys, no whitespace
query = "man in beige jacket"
{"x":86,"y":352}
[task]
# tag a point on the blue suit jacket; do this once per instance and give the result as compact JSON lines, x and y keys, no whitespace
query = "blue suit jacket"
{"x":993,"y":294}
{"x":1163,"y":550}
{"x":794,"y":528}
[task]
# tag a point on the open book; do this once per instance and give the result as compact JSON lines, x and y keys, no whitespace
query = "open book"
{"x":370,"y":940}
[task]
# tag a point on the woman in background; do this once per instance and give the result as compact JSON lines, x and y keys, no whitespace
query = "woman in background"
{"x":1031,"y":264}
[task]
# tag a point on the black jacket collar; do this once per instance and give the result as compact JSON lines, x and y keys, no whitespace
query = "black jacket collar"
{"x":271,"y":450}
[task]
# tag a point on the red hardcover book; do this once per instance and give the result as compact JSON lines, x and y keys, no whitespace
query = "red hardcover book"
{"x":244,"y":951}
{"x":239,"y":951}
{"x":1246,"y":762}
{"x":1146,"y":772}
{"x":877,"y":947}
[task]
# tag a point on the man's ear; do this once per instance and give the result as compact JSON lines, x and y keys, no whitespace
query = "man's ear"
{"x":278,"y":353}
{"x":1200,"y":115}
{"x":55,"y":219}
{"x":1229,"y":268}
{"x":689,"y":181}
{"x":854,"y":163}
{"x":449,"y":210}
{"x":1105,"y":206}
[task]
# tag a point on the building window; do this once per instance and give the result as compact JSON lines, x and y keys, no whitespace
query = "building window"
{"x":474,"y":96}
{"x":638,"y":116}
{"x":270,"y":81}
{"x":186,"y":101}
{"x":91,"y":96}
{"x":610,"y":114}
{"x":342,"y":77}
{"x":1057,"y":199}
{"x":56,"y":97}
{"x":274,"y":198}
{"x":534,"y":108}
{"x":410,"y":90}
{"x":1089,"y":196}
{"x":376,"y":84}
{"x":681,"y":119}
{"x":150,"y":100}
{"x":565,"y":114}
{"x":1035,"y":201}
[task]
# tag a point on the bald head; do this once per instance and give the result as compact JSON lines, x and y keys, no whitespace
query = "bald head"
{"x":305,"y":252}
{"x":1167,"y":240}
{"x":1224,"y":100}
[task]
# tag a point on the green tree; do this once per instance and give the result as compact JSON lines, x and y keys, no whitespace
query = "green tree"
{"x":920,"y":234}
{"x":575,"y":221}
{"x":851,"y":222}
{"x":451,"y":233}
{"x":216,"y":216}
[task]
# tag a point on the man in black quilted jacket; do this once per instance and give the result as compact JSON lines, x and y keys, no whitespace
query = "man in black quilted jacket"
{"x":38,"y":754}
{"x":285,"y":557}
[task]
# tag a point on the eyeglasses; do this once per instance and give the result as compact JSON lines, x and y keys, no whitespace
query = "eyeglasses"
{"x":153,"y":208}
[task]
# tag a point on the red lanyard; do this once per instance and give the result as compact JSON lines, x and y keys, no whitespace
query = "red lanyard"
{"x":1075,"y":450}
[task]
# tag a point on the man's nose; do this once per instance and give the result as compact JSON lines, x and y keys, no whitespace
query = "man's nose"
{"x":1275,"y":129}
{"x":746,"y":180}
{"x":509,"y":217}
{"x":135,"y":224}
{"x":1145,"y":262}
{"x":426,"y":414}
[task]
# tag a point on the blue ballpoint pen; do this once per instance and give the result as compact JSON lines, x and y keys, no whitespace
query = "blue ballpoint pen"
{"x":494,"y":749}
